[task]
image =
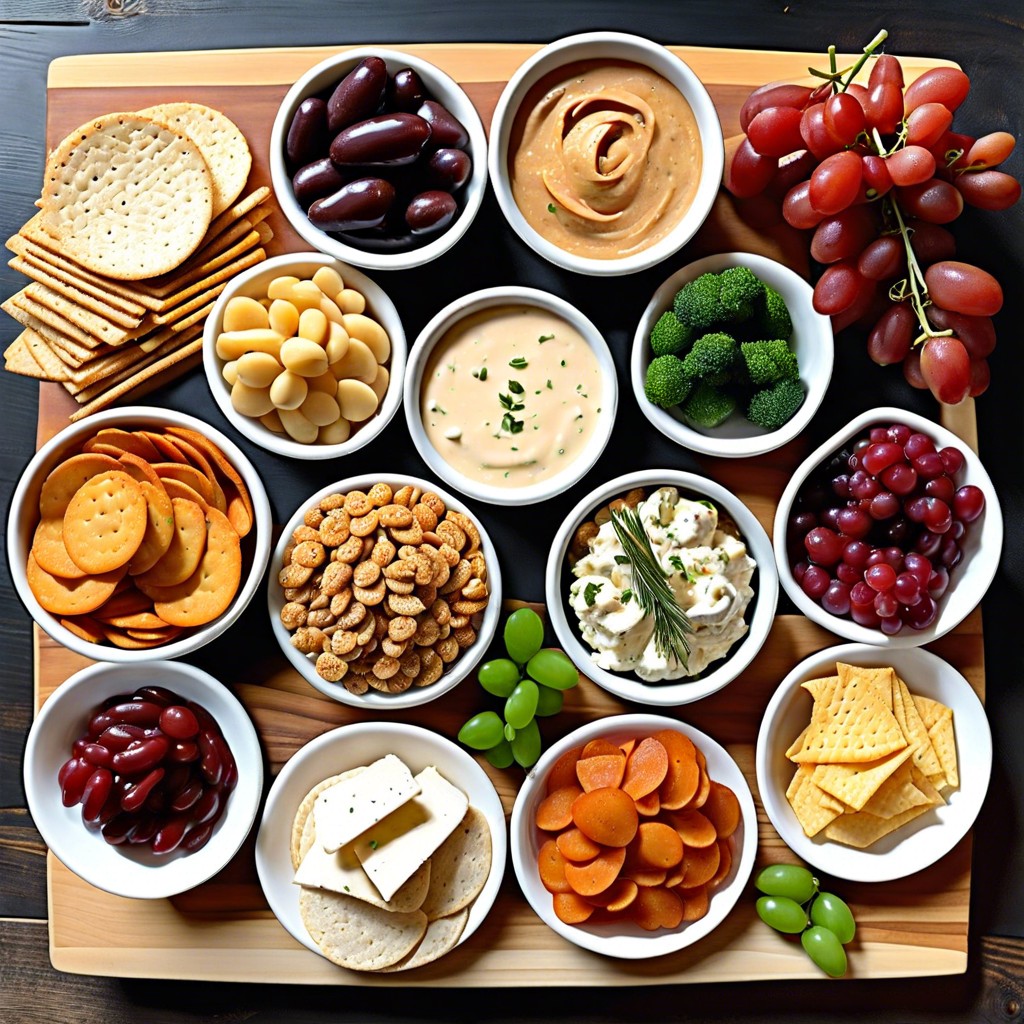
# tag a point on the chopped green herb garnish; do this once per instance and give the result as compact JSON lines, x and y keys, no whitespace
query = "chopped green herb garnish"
{"x":519,"y":363}
{"x":627,"y":596}
{"x":552,"y":208}
{"x":563,"y":362}
{"x":515,"y":387}
{"x":550,"y":386}
{"x":590,"y":592}
{"x":676,"y":562}
{"x":621,"y":560}
{"x":483,"y":373}
{"x":372,"y":844}
{"x":543,"y":338}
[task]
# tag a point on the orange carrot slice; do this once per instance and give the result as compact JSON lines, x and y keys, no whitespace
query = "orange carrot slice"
{"x":563,"y":771}
{"x":695,"y":902}
{"x":608,"y":816}
{"x":601,"y":771}
{"x":658,"y":845}
{"x":619,"y":895}
{"x":646,"y":768}
{"x":600,"y":746}
{"x":703,"y":785}
{"x":700,"y":865}
{"x":595,"y":875}
{"x":723,"y":809}
{"x":575,"y":846}
{"x":648,"y":806}
{"x":551,"y":865}
{"x":554,"y":812}
{"x":724,"y":864}
{"x":694,"y":828}
{"x":657,"y":907}
{"x":682,"y":776}
{"x":571,"y":908}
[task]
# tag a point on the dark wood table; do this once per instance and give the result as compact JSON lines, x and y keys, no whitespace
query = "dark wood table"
{"x":987,"y":40}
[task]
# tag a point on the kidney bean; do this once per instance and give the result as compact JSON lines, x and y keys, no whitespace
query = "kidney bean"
{"x":156,"y":695}
{"x":112,"y":806}
{"x":136,"y":712}
{"x":316,"y":180}
{"x":183,"y":751}
{"x":358,"y":95}
{"x":96,"y":753}
{"x":179,"y":723}
{"x":72,"y":778}
{"x":170,"y":834}
{"x":208,"y":806}
{"x":156,"y":802}
{"x":95,"y":793}
{"x":307,"y":134}
{"x":134,"y":798}
{"x":147,"y":826}
{"x":99,"y":721}
{"x":197,"y":837}
{"x":119,"y":737}
{"x":363,"y":203}
{"x":406,"y":91}
{"x":385,"y":140}
{"x":430,"y":211}
{"x":448,"y":169}
{"x":141,"y":755}
{"x":188,"y":796}
{"x":177,"y":778}
{"x":445,"y":128}
{"x":205,"y":719}
{"x":212,"y":764}
{"x":119,"y":829}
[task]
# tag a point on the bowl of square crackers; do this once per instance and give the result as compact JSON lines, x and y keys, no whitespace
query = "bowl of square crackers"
{"x":138,"y":533}
{"x":382,"y":847}
{"x":873,"y":763}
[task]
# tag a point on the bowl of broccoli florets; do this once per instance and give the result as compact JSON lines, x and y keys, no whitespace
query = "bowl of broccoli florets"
{"x":730,"y":358}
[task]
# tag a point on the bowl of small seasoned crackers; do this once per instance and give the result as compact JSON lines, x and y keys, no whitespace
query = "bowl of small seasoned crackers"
{"x":382,"y":846}
{"x":384,"y":591}
{"x":138,"y":533}
{"x":872,"y":764}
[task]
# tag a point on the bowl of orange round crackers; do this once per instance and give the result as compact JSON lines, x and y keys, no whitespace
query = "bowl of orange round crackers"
{"x":138,"y":533}
{"x":382,"y":847}
{"x":634,"y":836}
{"x":873,"y":763}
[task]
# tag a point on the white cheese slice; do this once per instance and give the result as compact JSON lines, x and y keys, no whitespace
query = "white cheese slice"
{"x":339,"y":872}
{"x":393,"y":849}
{"x":351,"y":806}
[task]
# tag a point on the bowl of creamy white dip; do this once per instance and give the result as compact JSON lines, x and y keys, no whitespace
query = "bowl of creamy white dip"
{"x":720,"y":569}
{"x":510,"y":395}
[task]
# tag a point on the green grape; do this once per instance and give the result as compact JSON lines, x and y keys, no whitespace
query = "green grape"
{"x":782,"y":914}
{"x":524,"y":633}
{"x":482,"y":731}
{"x":500,"y":755}
{"x":549,"y":702}
{"x":526,"y":745}
{"x":790,"y":880}
{"x":499,"y":676}
{"x":554,"y":669}
{"x":832,"y":913}
{"x":521,"y":706}
{"x":509,"y":732}
{"x":825,"y":950}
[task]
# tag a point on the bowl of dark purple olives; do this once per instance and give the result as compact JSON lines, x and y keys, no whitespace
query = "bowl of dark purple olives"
{"x":890,"y":532}
{"x":143,"y":783}
{"x":378,"y":158}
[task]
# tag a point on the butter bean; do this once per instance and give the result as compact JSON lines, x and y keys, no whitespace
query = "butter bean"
{"x":284,"y":317}
{"x":326,"y":382}
{"x":232,"y":344}
{"x":337,"y":343}
{"x":297,"y":426}
{"x":330,"y":309}
{"x":249,"y":401}
{"x":288,"y":392}
{"x":243,"y":313}
{"x":320,"y":408}
{"x":303,"y":357}
{"x":304,"y":295}
{"x":370,"y":333}
{"x":329,"y":281}
{"x":313,"y":325}
{"x":230,"y":372}
{"x":337,"y":432}
{"x":272,"y":421}
{"x":380,"y":382}
{"x":358,"y":362}
{"x":257,"y":369}
{"x":351,"y":301}
{"x":356,"y":400}
{"x":280,"y":287}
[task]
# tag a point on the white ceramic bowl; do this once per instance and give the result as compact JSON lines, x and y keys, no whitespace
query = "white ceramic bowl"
{"x":607,"y":46}
{"x":349,"y":747}
{"x":373,"y":700}
{"x":254,"y":282}
{"x":968,"y":582}
{"x":628,"y":941}
{"x":24,"y":514}
{"x":812,"y":341}
{"x":494,"y":298}
{"x":927,"y":837}
{"x":321,"y":79}
{"x":127,"y":870}
{"x":760,"y":613}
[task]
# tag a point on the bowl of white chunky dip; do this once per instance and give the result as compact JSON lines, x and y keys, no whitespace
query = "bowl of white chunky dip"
{"x":661,"y":586}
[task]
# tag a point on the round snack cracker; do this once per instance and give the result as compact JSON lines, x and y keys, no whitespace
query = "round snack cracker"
{"x":159,"y":529}
{"x":300,"y":842}
{"x":71,"y":597}
{"x":441,"y":936}
{"x":105,"y":522}
{"x":64,"y":480}
{"x":183,"y":555}
{"x":49,"y":551}
{"x":459,"y":867}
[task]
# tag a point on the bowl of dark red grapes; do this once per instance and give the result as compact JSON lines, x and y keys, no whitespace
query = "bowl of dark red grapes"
{"x":890,"y":532}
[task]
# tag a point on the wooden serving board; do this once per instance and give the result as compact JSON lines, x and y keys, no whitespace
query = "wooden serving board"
{"x":224,"y":930}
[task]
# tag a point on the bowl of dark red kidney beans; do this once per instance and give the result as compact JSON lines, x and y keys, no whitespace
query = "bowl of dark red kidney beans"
{"x":144,"y":781}
{"x":378,"y":158}
{"x":890,"y":532}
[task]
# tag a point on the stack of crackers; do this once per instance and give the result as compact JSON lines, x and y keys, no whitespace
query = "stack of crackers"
{"x":140,"y":228}
{"x":874,"y":756}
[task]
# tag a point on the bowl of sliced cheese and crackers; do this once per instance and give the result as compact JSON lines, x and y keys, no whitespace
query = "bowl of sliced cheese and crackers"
{"x":138,"y":533}
{"x":382,"y":846}
{"x":873,"y":764}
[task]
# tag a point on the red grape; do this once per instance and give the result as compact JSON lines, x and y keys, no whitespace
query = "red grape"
{"x":884,"y":107}
{"x":912,"y":370}
{"x":844,"y":235}
{"x":797,"y":209}
{"x":935,"y":201}
{"x":946,"y":369}
{"x":991,"y":149}
{"x":838,"y":288}
{"x":931,"y":242}
{"x":968,"y":503}
{"x":814,"y":133}
{"x":844,"y":118}
{"x":775,"y":131}
{"x":927,"y":124}
{"x":774,"y":94}
{"x":963,"y":288}
{"x":948,"y":86}
{"x":749,"y":171}
{"x":989,"y":190}
{"x":875,"y":175}
{"x":910,"y":166}
{"x":976,"y":332}
{"x":981,"y":377}
{"x":835,"y":182}
{"x":883,"y":258}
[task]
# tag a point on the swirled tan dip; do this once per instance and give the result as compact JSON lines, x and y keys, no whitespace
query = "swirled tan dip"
{"x":605,"y":158}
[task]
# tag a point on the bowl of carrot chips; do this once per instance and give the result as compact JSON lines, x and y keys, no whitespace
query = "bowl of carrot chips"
{"x":634,"y":836}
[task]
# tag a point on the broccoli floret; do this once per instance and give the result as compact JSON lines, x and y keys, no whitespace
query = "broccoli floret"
{"x":774,"y":406}
{"x":708,"y":406}
{"x":773,"y":316}
{"x":667,"y":383}
{"x":768,"y":362}
{"x":711,"y":359}
{"x":698,"y":305}
{"x":739,"y":292}
{"x":670,"y":335}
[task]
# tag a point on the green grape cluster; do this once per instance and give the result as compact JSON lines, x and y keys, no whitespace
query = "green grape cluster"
{"x":793,"y":903}
{"x":532,"y":683}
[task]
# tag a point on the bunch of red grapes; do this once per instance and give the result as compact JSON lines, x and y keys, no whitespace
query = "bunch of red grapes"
{"x":876,"y":172}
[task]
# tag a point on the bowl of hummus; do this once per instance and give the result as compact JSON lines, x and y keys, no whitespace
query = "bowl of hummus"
{"x":661,"y":586}
{"x":606,"y":153}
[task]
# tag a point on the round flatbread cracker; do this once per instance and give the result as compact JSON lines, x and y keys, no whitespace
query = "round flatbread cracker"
{"x":219,"y":140}
{"x":105,"y":522}
{"x":63,"y":481}
{"x":127,"y":196}
{"x":442,"y":935}
{"x":183,"y":554}
{"x":459,"y":867}
{"x":71,"y":597}
{"x":49,"y":551}
{"x":300,"y":843}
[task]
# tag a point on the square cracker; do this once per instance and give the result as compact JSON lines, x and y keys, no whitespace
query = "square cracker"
{"x":924,"y":757}
{"x":855,"y":784}
{"x":805,"y":798}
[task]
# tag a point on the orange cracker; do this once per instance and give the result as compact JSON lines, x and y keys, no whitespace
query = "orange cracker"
{"x":64,"y":479}
{"x":184,"y":553}
{"x":105,"y":522}
{"x":70,"y":597}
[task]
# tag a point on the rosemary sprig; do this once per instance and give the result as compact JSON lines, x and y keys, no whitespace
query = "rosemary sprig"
{"x":650,"y":587}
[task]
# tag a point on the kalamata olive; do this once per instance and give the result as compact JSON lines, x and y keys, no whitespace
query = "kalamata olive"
{"x":358,"y":95}
{"x":307,"y":134}
{"x":360,"y":204}
{"x":406,"y":91}
{"x":385,"y":140}
{"x":430,"y":211}
{"x":445,"y":127}
{"x":316,"y":180}
{"x":448,"y":169}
